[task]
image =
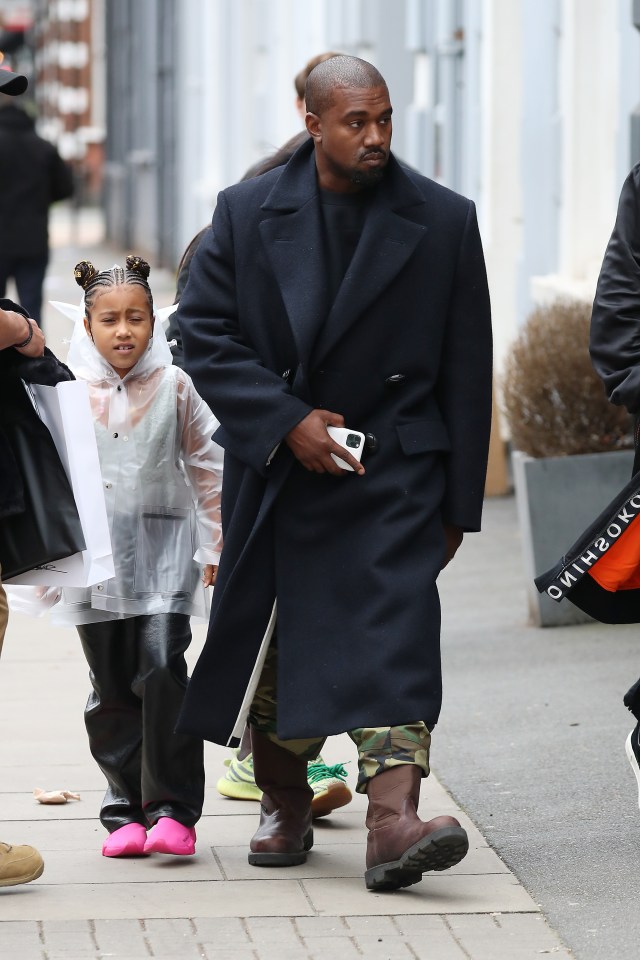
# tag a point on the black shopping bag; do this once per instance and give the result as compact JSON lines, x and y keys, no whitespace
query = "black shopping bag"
{"x":49,"y":527}
{"x":600,"y":573}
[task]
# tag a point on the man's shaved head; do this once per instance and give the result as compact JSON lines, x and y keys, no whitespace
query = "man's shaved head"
{"x":341,"y":71}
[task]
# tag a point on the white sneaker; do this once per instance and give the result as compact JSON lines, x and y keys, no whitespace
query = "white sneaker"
{"x":632,"y":748}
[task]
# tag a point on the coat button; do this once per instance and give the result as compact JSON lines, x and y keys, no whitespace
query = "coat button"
{"x":108,"y":485}
{"x":370,"y":442}
{"x":115,"y":436}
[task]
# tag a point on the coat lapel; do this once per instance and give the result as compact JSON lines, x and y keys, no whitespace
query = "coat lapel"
{"x":388,"y":240}
{"x":293,"y":241}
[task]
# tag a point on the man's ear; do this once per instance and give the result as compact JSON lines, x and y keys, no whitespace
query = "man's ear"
{"x":314,"y":126}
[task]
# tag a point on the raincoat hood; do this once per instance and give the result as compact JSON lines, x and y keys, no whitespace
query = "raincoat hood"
{"x":87,"y":363}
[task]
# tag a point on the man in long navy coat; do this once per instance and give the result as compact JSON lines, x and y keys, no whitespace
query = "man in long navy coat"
{"x":347,"y":290}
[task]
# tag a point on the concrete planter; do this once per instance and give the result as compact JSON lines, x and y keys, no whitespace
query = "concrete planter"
{"x":557,"y":498}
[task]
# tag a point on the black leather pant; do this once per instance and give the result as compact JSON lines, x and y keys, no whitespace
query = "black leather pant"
{"x":139,"y":676}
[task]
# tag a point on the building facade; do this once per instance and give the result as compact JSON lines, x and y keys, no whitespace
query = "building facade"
{"x":523,"y":105}
{"x":68,"y":83}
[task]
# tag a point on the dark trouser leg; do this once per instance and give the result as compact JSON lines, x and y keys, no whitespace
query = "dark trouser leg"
{"x":29,"y":276}
{"x":172,"y":764}
{"x":113,"y":717}
{"x":631,"y":699}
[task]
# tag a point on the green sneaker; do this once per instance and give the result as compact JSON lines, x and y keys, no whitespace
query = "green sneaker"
{"x":330,"y":790}
{"x":238,"y":781}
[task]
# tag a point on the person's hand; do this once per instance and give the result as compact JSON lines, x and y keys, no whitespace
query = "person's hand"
{"x":209,"y":574}
{"x":312,"y":446}
{"x":15,"y":328}
{"x":453,"y":538}
{"x":35,"y":348}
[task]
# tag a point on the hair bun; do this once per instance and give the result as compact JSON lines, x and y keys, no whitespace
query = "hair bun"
{"x":138,"y":265}
{"x":84,"y":272}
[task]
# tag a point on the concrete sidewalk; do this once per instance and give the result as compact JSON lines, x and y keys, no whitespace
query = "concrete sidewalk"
{"x":213,"y":905}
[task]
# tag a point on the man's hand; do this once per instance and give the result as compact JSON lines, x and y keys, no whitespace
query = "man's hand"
{"x":14,"y":329}
{"x":312,"y":446}
{"x":453,"y":538}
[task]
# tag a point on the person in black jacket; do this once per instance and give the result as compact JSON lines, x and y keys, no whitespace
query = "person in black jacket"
{"x":615,"y":335}
{"x":33,"y":175}
{"x":20,"y":340}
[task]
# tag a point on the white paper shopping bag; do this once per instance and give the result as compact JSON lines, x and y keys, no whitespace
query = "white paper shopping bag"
{"x":66,"y":411}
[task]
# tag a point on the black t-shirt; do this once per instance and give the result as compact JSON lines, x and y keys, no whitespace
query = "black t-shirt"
{"x":344,"y":215}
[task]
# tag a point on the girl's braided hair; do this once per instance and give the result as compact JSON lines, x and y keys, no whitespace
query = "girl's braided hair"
{"x":94,"y":282}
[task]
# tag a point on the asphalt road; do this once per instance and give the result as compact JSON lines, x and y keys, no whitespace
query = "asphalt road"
{"x":531,"y":743}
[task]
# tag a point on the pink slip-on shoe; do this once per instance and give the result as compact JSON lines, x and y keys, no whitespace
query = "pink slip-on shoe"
{"x":170,"y":836}
{"x":127,"y":841}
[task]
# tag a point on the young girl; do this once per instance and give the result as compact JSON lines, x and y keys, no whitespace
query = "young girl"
{"x":162,"y":478}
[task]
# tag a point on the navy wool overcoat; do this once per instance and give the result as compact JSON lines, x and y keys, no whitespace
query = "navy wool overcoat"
{"x":404,"y":353}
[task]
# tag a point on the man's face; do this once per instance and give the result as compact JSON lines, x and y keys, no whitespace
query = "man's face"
{"x":353,"y":138}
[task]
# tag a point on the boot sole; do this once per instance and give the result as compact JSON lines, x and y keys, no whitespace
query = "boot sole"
{"x":283,"y":859}
{"x":437,"y":851}
{"x":326,"y":803}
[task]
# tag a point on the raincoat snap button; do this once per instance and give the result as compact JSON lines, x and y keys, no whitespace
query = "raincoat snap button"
{"x":115,"y":436}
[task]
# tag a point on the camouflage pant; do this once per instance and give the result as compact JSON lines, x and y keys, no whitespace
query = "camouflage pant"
{"x":379,"y":748}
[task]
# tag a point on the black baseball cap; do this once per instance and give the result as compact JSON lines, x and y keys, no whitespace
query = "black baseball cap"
{"x":12,"y":83}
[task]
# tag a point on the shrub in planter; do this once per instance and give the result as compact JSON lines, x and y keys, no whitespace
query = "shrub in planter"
{"x":572,"y":448}
{"x":554,"y":401}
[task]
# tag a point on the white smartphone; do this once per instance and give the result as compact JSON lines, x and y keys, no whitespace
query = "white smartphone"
{"x":351,"y":440}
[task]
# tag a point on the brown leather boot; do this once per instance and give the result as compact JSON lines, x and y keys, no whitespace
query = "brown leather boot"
{"x":401,"y":846}
{"x":285,"y":833}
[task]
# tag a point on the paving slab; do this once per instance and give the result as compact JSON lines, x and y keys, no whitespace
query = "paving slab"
{"x":444,"y":893}
{"x":159,"y":898}
{"x":341,"y":860}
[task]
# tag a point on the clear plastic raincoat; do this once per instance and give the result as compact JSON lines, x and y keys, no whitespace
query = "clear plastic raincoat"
{"x":162,"y":481}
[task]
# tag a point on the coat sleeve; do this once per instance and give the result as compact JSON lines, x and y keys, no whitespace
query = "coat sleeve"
{"x":615,"y":319}
{"x":203,"y":463}
{"x":465,"y":383}
{"x":61,"y":178}
{"x":254,"y":405}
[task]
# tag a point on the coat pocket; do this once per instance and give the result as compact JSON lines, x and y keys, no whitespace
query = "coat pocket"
{"x":164,"y":552}
{"x":423,"y":436}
